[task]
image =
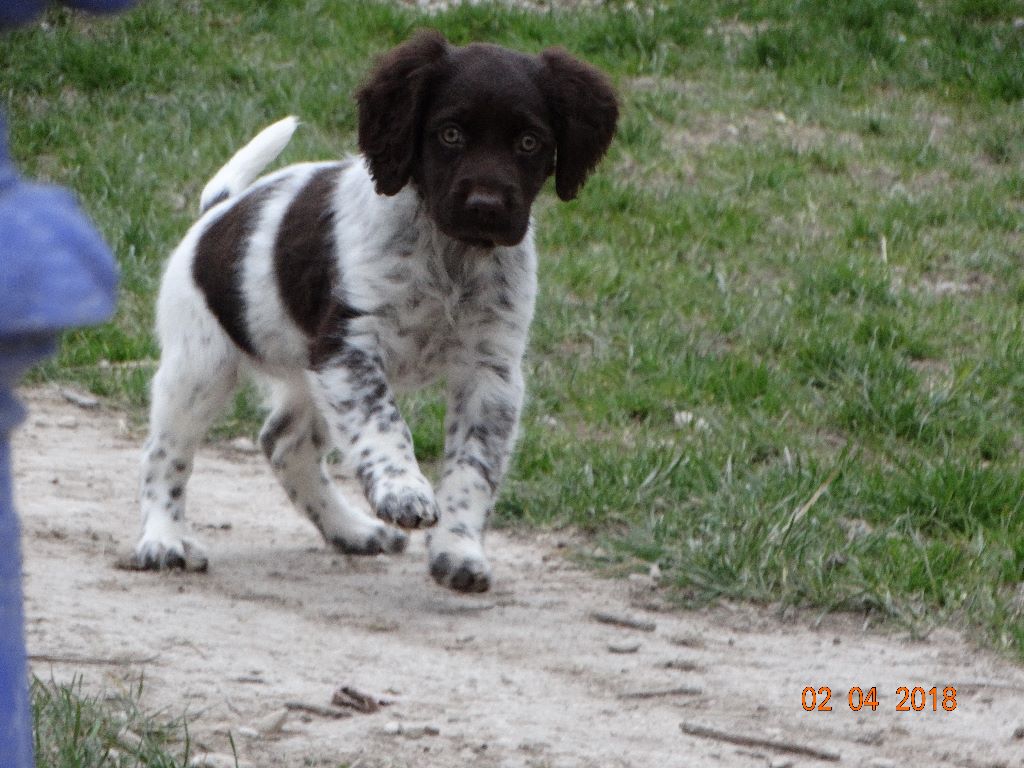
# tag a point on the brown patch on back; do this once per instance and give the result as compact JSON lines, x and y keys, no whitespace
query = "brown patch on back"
{"x":215,"y":268}
{"x":304,"y":251}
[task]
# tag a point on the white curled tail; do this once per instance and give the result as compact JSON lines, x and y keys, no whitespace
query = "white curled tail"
{"x":247,"y":163}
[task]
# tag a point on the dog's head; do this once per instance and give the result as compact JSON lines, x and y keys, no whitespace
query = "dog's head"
{"x":479,"y":128}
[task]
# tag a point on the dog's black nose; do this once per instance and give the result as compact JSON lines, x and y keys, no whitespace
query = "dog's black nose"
{"x":486,"y":204}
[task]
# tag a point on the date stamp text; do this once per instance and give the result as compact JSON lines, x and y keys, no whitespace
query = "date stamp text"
{"x":907,"y":699}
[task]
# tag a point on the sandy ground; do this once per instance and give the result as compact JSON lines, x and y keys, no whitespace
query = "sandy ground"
{"x":522,"y":676}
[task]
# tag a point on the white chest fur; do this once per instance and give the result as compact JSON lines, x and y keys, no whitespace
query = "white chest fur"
{"x":426,"y":301}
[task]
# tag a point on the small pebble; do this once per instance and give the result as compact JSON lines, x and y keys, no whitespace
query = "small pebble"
{"x":67,"y":422}
{"x":271,"y":724}
{"x":129,"y":740}
{"x":1019,"y":733}
{"x":781,"y":762}
{"x":249,"y":733}
{"x":410,"y":730}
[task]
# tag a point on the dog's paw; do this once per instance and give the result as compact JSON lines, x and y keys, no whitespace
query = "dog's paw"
{"x":458,"y":563}
{"x":466,"y":574}
{"x":384,"y":540}
{"x":406,"y":506}
{"x":169,"y":552}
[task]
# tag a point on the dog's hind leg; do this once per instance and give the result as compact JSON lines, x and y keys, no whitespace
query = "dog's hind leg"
{"x":295,"y":440}
{"x":198,"y":374}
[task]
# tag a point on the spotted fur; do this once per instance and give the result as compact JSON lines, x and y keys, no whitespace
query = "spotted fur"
{"x":342,"y":283}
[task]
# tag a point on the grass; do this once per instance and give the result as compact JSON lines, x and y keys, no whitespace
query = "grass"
{"x":779,"y":347}
{"x":75,"y":730}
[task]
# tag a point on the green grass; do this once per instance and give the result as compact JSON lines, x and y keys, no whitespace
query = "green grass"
{"x":72,"y":729}
{"x":809,"y":235}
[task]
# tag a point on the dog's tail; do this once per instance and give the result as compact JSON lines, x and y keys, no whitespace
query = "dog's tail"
{"x":247,"y":163}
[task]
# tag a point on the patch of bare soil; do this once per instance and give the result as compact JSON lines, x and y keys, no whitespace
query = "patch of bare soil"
{"x":523,"y":676}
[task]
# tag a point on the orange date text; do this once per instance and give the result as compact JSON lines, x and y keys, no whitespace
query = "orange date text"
{"x":908,"y":699}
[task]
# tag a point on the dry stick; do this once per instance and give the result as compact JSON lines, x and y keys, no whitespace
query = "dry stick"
{"x":683,"y":690}
{"x":89,"y":660}
{"x":683,"y":665}
{"x":803,"y":509}
{"x":315,"y":709}
{"x":623,"y":621}
{"x":80,"y":399}
{"x":989,"y":684}
{"x":752,"y":741}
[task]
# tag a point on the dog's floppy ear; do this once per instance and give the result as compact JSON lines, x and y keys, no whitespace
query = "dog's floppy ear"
{"x":584,"y":109}
{"x":391,"y":106}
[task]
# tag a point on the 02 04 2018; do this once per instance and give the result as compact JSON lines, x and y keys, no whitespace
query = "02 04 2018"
{"x":917,"y":698}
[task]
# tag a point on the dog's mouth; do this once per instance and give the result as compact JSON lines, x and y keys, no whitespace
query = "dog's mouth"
{"x":477,"y":243}
{"x":485,"y":234}
{"x":484,"y":241}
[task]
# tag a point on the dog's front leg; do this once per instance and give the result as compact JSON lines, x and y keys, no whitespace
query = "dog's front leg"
{"x":372,"y":437}
{"x":484,"y":402}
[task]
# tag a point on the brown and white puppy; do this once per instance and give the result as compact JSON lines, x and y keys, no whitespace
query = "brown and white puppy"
{"x":343,"y":282}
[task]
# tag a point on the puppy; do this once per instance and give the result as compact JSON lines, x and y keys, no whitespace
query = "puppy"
{"x":344,"y":282}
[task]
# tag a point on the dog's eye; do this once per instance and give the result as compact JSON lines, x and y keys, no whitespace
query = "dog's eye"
{"x":451,"y":135}
{"x":528,"y":143}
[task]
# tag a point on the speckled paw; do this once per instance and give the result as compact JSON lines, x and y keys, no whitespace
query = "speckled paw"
{"x":385,"y":541}
{"x":461,"y":574}
{"x":159,"y":555}
{"x":407,"y":509}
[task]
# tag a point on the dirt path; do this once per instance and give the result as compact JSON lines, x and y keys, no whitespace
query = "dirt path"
{"x":522,"y":676}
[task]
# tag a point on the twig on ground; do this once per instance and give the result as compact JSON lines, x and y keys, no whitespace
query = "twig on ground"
{"x":82,"y":400}
{"x":227,"y":701}
{"x":624,"y":647}
{"x":623,"y":621}
{"x":999,"y":685}
{"x":779,"y":535}
{"x":683,"y":665}
{"x":682,"y":690}
{"x":90,"y":660}
{"x":687,"y":641}
{"x":692,"y":729}
{"x":316,"y":709}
